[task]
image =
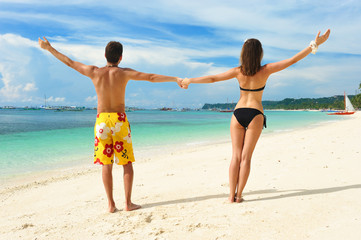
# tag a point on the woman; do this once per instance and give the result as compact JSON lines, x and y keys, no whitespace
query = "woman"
{"x":248,"y":120}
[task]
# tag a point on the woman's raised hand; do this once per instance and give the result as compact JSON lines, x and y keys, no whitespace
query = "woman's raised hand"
{"x":321,"y":39}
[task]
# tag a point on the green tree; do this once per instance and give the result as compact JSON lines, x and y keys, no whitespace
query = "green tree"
{"x":356,"y":101}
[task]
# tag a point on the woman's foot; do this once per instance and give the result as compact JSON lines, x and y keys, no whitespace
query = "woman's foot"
{"x":238,"y":199}
{"x":231,"y":199}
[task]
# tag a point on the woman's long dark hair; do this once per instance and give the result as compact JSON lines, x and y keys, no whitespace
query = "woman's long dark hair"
{"x":251,"y":56}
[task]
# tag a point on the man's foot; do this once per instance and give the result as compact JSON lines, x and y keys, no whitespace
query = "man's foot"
{"x":238,"y":199}
{"x":112,"y":208}
{"x":131,"y":207}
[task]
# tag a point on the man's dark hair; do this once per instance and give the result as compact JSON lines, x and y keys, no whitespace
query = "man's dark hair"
{"x":113,"y":51}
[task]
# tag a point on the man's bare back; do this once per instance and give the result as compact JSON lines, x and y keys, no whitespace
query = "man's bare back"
{"x":110,"y":84}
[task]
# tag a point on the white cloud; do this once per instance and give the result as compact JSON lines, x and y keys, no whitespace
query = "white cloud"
{"x":30,"y":87}
{"x":16,"y":40}
{"x":88,"y":54}
{"x":15,"y":49}
{"x":10,"y":93}
{"x":44,"y":18}
{"x":91,"y":99}
{"x":55,"y":99}
{"x":284,"y":24}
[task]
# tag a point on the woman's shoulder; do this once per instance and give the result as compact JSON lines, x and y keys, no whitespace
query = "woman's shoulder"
{"x":264,"y":69}
{"x":236,"y":69}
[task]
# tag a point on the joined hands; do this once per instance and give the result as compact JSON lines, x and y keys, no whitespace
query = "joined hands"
{"x":183,"y":82}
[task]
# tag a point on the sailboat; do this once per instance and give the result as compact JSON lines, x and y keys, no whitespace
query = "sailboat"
{"x":349,"y":109}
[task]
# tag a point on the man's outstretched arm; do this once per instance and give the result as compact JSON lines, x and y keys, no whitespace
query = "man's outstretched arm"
{"x":151,"y":77}
{"x":86,"y":70}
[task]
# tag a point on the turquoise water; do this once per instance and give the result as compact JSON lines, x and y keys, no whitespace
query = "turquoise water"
{"x":36,"y":140}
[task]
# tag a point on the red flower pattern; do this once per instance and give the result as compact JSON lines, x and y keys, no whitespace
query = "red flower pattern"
{"x":108,"y":150}
{"x":121,"y":117}
{"x":96,"y":141}
{"x":98,"y":115}
{"x":98,"y":162}
{"x":118,"y":146}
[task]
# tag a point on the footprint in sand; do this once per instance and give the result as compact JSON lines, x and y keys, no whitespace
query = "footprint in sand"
{"x":148,"y":218}
{"x":159,"y":232}
{"x":247,"y":212}
{"x":26,"y":225}
{"x":193,"y":227}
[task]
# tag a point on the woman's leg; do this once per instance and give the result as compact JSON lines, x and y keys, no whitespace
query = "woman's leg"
{"x":251,"y":137}
{"x":237,"y":136}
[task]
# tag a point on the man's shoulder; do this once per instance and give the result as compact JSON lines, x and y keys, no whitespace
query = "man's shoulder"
{"x":111,"y":69}
{"x":127,"y":69}
{"x":117,"y":69}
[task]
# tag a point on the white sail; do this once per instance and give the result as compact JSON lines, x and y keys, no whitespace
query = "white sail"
{"x":348,"y":105}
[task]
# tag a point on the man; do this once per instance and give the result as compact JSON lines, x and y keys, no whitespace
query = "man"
{"x":112,"y":130}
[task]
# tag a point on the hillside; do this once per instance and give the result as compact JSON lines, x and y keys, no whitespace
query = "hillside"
{"x":335,"y":102}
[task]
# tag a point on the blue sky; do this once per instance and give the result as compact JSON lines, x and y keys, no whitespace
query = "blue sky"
{"x":178,"y":38}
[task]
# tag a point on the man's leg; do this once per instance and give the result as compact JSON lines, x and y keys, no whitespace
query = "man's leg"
{"x":108,"y":185}
{"x":128,"y":183}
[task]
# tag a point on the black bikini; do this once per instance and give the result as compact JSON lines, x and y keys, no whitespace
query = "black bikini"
{"x":245,"y":116}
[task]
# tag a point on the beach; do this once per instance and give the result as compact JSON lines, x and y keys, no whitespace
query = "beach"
{"x":304,"y":184}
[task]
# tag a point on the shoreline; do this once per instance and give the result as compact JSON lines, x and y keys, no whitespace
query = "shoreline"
{"x":145,"y":153}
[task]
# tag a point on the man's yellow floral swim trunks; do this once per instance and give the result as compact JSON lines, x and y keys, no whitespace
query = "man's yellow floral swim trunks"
{"x":113,"y":142}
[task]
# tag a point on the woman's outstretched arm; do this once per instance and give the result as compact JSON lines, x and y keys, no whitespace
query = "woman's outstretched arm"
{"x":278,"y":66}
{"x":232,"y":73}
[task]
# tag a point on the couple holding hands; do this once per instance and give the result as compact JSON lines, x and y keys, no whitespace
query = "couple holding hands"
{"x":113,"y":141}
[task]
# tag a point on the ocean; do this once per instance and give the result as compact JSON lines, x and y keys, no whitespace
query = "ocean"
{"x":38,"y":140}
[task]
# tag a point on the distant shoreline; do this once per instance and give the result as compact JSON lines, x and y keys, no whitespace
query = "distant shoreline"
{"x":325,"y":103}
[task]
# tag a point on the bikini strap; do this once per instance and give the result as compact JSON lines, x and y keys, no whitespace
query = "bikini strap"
{"x":252,"y":90}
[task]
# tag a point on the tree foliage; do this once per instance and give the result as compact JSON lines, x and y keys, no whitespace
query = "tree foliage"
{"x":356,"y":101}
{"x":335,"y":102}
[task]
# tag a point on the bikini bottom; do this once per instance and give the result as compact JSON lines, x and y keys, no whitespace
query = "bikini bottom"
{"x":245,"y":116}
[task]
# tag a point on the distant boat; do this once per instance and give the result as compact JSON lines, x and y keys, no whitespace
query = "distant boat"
{"x":349,"y":109}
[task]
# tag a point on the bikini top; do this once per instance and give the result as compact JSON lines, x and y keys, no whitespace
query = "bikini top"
{"x":252,"y":90}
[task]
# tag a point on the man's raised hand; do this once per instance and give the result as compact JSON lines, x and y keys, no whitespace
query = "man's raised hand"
{"x":44,"y":44}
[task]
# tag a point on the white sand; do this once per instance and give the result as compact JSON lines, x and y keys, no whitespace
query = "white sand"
{"x":304,"y":184}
